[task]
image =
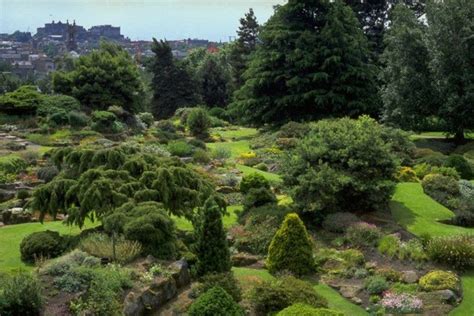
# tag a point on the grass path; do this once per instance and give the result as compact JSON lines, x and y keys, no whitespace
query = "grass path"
{"x":335,"y":301}
{"x":420,"y":214}
{"x":11,"y":237}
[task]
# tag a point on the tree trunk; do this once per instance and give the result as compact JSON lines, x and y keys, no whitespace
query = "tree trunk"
{"x":459,"y":138}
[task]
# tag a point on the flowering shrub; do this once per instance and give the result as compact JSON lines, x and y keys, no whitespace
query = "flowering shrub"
{"x":248,"y":155}
{"x":363,"y":234}
{"x":401,"y":303}
{"x":439,"y":280}
{"x":406,"y":174}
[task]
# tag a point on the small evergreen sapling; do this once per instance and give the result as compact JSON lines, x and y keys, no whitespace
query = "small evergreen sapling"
{"x":211,"y":248}
{"x":291,"y":248}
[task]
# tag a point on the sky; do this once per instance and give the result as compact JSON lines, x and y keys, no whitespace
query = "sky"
{"x":139,"y":19}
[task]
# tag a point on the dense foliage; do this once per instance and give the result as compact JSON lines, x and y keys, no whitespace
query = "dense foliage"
{"x":41,"y":245}
{"x":272,"y":296}
{"x":107,"y":76}
{"x":215,"y":301}
{"x":312,"y":62}
{"x":291,"y":248}
{"x":171,"y":84}
{"x":20,"y":294}
{"x":341,"y":165}
{"x":211,"y":247}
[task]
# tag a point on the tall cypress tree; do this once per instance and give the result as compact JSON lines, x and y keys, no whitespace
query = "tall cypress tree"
{"x":408,"y":93}
{"x":171,"y":84}
{"x":244,"y":46}
{"x":211,"y":247}
{"x":299,"y":72}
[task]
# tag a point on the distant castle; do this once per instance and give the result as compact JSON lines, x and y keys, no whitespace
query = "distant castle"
{"x":72,"y":33}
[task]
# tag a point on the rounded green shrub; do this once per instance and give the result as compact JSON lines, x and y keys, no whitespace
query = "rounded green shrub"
{"x":462,"y":166}
{"x":225,"y":281}
{"x":272,"y":296}
{"x":258,"y":197}
{"x":198,"y":122}
{"x":46,"y":244}
{"x":306,"y":310}
{"x":341,"y":165}
{"x":440,"y":187}
{"x":253,"y":181}
{"x":146,"y":118}
{"x":215,"y":301}
{"x":77,"y":119}
{"x":180,"y":148}
{"x":376,"y":284}
{"x":439,"y":280}
{"x":291,"y":248}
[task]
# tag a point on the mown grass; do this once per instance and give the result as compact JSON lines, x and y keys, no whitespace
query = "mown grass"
{"x":228,"y":220}
{"x":248,"y":276}
{"x":234,"y":132}
{"x":437,"y":135}
{"x":420,"y":214}
{"x":11,"y":237}
{"x":272,"y":177}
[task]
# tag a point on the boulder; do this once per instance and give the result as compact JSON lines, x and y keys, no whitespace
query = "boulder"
{"x":180,"y":273}
{"x":356,"y":300}
{"x":350,"y":291}
{"x":371,"y":265}
{"x":410,"y":277}
{"x":151,"y":298}
{"x":225,"y":189}
{"x":6,"y":195}
{"x":243,"y":259}
{"x":132,"y":305}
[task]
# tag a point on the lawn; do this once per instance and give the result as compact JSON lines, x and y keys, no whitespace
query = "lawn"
{"x":419,"y":214}
{"x":11,"y":237}
{"x":235,"y":148}
{"x":336,"y":301}
{"x":272,"y":177}
{"x":437,"y":135}
{"x":228,"y":220}
{"x":234,"y":132}
{"x":236,"y":141}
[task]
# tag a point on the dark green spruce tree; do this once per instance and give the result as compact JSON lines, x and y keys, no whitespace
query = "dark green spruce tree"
{"x":171,"y":84}
{"x":211,"y":247}
{"x":347,"y":78}
{"x":408,"y":94}
{"x":451,"y":44}
{"x":214,"y":82}
{"x":244,"y":46}
{"x":312,"y":63}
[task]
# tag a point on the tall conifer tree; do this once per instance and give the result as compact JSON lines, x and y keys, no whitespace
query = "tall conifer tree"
{"x":244,"y":46}
{"x":312,"y":63}
{"x":172,"y":85}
